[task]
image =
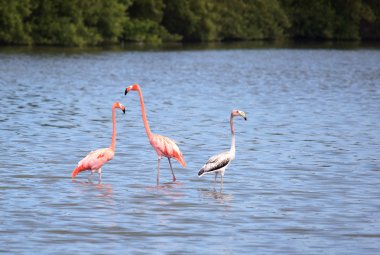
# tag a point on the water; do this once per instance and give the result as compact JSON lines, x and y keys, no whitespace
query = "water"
{"x":305,"y":179}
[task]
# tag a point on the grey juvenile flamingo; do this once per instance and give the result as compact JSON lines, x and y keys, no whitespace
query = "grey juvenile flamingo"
{"x":218,"y":163}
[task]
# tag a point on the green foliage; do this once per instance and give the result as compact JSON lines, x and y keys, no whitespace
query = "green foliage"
{"x":147,"y":31}
{"x":232,"y":22}
{"x":145,"y":23}
{"x":195,"y":20}
{"x":311,"y":19}
{"x":265,"y":19}
{"x":348,"y":18}
{"x":327,"y":19}
{"x":77,"y":22}
{"x":147,"y":9}
{"x":94,"y":22}
{"x":13,"y":29}
{"x":370,"y":26}
{"x":245,"y":19}
{"x":55,"y":23}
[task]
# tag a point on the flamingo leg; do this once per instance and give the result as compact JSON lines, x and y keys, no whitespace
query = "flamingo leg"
{"x":90,"y":176}
{"x":170,"y":163}
{"x":100,"y":175}
{"x":158,"y":171}
{"x":221,"y":182}
{"x":216,"y":175}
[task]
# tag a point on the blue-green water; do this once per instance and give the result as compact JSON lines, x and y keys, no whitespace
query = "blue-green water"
{"x":305,"y":179}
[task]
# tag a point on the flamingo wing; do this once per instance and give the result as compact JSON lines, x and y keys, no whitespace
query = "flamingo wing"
{"x":164,"y":146}
{"x":94,"y":160}
{"x":216,"y":163}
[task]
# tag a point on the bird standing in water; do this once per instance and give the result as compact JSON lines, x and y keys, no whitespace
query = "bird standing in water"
{"x":164,"y":146}
{"x":218,"y":163}
{"x":96,"y":159}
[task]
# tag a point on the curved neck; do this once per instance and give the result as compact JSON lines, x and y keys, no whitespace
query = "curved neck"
{"x":146,"y":125}
{"x":232,"y":134}
{"x":112,"y":146}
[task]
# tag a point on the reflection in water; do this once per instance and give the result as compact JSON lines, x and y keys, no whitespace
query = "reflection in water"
{"x":105,"y":190}
{"x":166,"y":185}
{"x":87,"y":188}
{"x":218,"y":196}
{"x":172,"y":190}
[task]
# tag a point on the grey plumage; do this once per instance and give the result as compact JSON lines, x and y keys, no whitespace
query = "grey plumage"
{"x":216,"y":163}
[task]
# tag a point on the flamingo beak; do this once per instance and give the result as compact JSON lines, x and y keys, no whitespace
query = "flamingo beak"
{"x":127,"y":90}
{"x":124,"y":110}
{"x":243,"y":115}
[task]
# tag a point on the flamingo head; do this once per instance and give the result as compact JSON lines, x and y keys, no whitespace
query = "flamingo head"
{"x":132,"y":87}
{"x":119,"y":105}
{"x":239,"y":113}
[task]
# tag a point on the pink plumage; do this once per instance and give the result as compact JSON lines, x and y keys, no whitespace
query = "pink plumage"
{"x":96,"y":159}
{"x":164,"y":146}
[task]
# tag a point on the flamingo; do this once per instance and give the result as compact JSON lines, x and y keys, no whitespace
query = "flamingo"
{"x":96,"y":159}
{"x":218,"y":163}
{"x":164,"y":146}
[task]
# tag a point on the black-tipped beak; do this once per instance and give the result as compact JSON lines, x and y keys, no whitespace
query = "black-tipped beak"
{"x":124,"y":111}
{"x":126,"y":91}
{"x":245,"y":118}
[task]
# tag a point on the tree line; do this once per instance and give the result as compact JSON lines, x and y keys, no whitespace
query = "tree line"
{"x":99,"y":22}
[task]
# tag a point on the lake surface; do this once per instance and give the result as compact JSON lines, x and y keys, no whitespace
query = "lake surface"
{"x":306,"y":178}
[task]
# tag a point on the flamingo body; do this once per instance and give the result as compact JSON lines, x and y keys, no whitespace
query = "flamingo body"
{"x":165,"y":147}
{"x":217,"y":163}
{"x":96,"y":159}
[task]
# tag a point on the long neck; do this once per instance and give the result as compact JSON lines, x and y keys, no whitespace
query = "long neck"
{"x":232,"y":134}
{"x":146,"y":125}
{"x":112,"y":147}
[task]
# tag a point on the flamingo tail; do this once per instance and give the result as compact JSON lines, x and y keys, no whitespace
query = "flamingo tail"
{"x":181,"y":160}
{"x":77,"y":170}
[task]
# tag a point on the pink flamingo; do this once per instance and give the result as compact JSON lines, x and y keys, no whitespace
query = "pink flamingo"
{"x":218,"y":163}
{"x":163,"y":146}
{"x":96,"y":159}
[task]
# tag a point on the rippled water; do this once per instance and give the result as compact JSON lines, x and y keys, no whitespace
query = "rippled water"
{"x":305,"y":179}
